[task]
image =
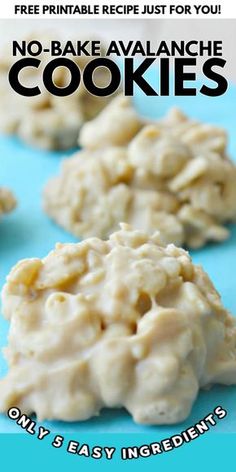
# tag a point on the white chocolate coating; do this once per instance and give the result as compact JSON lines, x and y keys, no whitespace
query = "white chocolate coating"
{"x":123,"y":322}
{"x":116,"y":125}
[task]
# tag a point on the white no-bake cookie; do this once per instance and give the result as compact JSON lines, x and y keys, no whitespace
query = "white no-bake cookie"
{"x":7,"y":201}
{"x":47,"y":121}
{"x":123,"y":322}
{"x":173,"y":175}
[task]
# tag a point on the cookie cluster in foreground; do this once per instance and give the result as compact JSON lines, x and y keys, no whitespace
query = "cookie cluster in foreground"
{"x":172,"y":175}
{"x":123,"y":322}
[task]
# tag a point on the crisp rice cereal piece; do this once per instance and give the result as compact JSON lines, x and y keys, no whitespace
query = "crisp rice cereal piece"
{"x":122,"y":322}
{"x":7,"y":201}
{"x":47,"y":121}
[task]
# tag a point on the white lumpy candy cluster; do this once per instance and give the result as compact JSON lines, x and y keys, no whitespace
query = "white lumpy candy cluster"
{"x":172,"y":175}
{"x":123,"y":322}
{"x":48,"y":121}
{"x":7,"y":201}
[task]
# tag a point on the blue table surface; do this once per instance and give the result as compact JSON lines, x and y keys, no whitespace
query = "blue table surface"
{"x":27,"y":232}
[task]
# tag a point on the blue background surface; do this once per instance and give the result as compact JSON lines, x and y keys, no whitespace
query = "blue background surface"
{"x":24,"y":452}
{"x":27,"y":232}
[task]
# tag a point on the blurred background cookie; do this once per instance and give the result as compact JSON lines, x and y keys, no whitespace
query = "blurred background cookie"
{"x":47,"y":121}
